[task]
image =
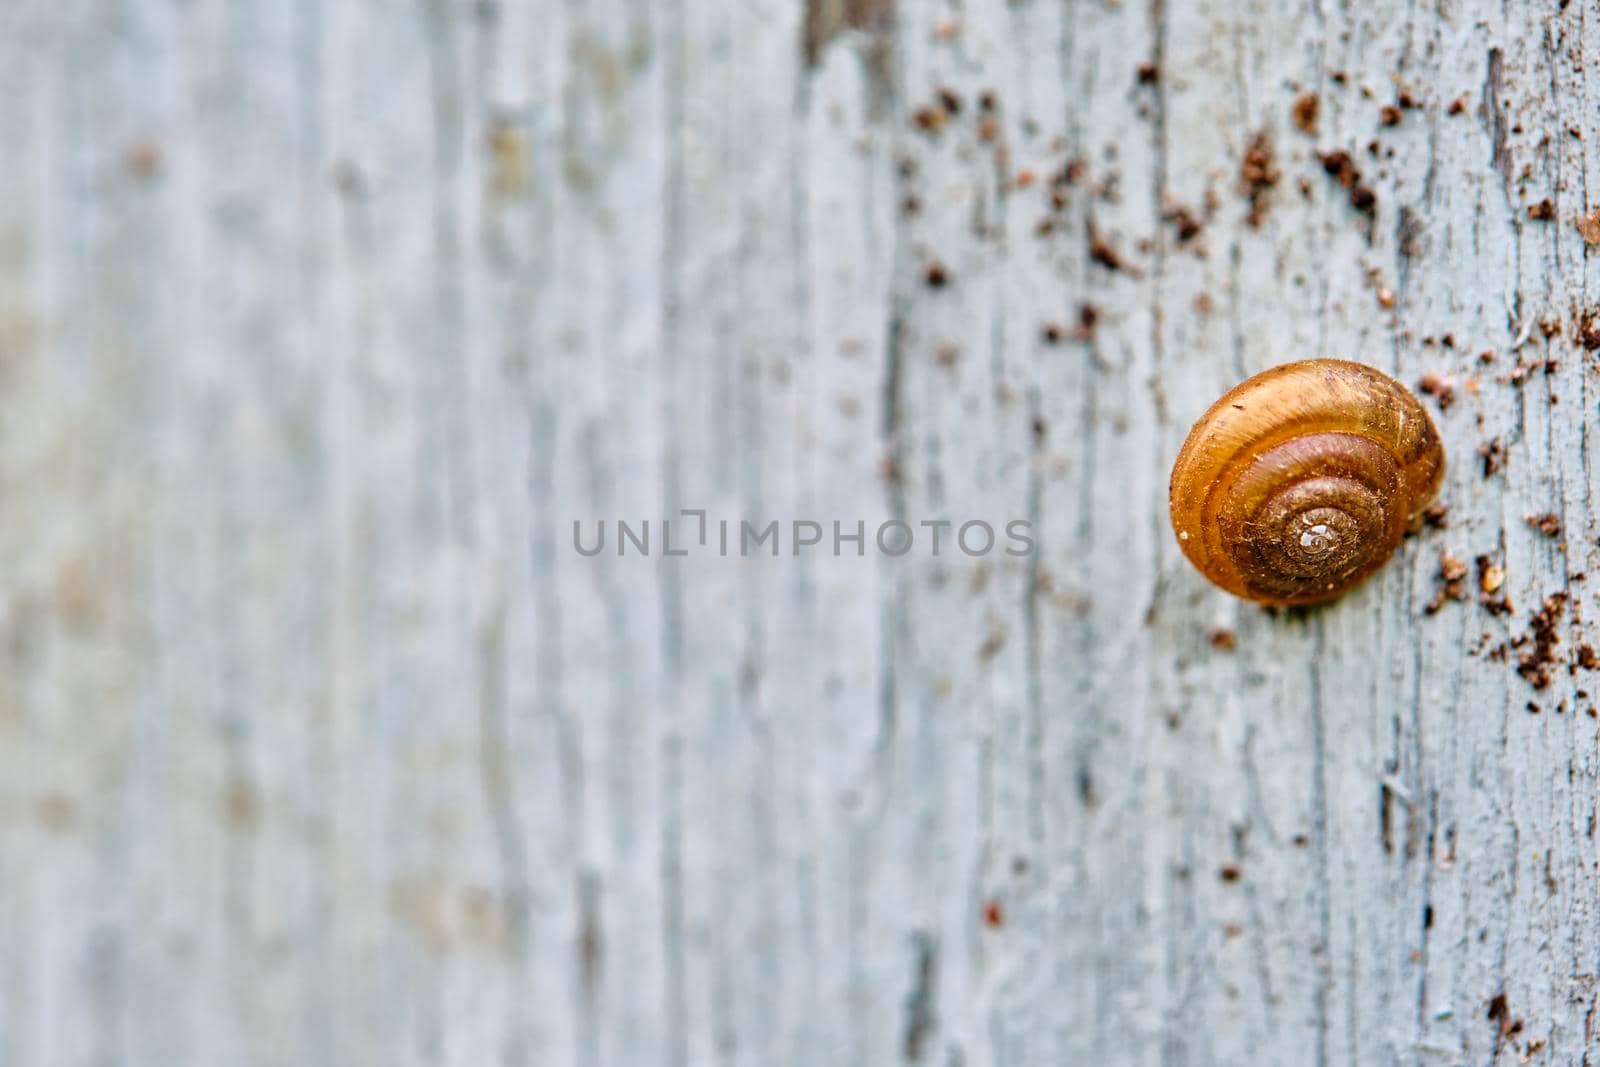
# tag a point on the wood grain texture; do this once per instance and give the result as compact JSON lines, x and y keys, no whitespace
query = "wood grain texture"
{"x":321,"y":324}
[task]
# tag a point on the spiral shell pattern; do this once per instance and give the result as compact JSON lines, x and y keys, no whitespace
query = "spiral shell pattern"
{"x":1302,"y":481}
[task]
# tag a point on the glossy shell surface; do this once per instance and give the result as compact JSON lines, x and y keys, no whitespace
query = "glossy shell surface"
{"x":1302,"y":481}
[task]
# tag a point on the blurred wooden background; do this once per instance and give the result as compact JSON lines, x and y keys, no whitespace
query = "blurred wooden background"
{"x":321,"y":323}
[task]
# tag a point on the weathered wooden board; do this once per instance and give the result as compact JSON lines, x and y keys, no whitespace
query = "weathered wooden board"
{"x":321,"y":325}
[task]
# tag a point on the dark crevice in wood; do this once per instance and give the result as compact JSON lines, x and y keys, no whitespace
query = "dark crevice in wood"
{"x":921,"y":1017}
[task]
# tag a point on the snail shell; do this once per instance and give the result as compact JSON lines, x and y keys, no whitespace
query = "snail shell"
{"x":1301,"y":481}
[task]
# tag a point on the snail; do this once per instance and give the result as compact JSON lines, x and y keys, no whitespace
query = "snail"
{"x":1301,"y":481}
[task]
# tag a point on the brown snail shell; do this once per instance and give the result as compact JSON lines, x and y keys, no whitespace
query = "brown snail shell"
{"x":1301,"y":481}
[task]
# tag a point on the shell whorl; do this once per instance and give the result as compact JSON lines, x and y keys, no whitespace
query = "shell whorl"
{"x":1301,"y":481}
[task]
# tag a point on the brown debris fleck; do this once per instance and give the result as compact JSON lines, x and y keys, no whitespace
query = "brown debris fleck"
{"x":1149,"y":74}
{"x":1436,"y":516}
{"x":1342,"y":168}
{"x":1440,"y":388}
{"x":1088,"y":315}
{"x":1589,"y":228}
{"x":1071,"y":173}
{"x":1223,"y":639}
{"x":1493,"y":453}
{"x":1389,"y":115}
{"x":937,"y":275}
{"x":1229,"y":872}
{"x":1589,"y":331}
{"x":1339,"y":164}
{"x":1497,"y":605}
{"x":1543,"y":211}
{"x":1540,"y":642}
{"x":1304,"y":111}
{"x":1102,"y":252}
{"x":1452,"y":583}
{"x":1500,"y":1013}
{"x":1519,"y":373}
{"x":1186,"y":222}
{"x":1491,"y":576}
{"x":1548,"y":524}
{"x":1258,"y":173}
